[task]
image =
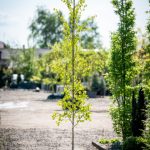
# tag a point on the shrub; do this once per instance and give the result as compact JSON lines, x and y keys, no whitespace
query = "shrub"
{"x":95,"y":83}
{"x":103,"y":141}
{"x":132,"y":143}
{"x":108,"y":141}
{"x":98,"y":84}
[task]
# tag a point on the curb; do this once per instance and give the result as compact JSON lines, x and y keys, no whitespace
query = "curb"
{"x":97,"y":145}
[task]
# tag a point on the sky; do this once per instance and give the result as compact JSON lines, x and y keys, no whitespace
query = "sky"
{"x":16,"y":16}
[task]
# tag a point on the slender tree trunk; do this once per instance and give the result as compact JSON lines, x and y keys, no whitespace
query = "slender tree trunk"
{"x":73,"y":131}
{"x":73,"y":69}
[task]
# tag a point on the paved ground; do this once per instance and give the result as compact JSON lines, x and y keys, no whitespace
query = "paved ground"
{"x":26,"y":123}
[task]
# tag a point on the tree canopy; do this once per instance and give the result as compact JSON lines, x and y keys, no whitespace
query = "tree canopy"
{"x":24,"y":62}
{"x":46,"y":28}
{"x":90,"y":38}
{"x":121,"y":67}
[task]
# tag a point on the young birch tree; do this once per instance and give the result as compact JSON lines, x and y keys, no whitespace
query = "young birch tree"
{"x":73,"y":104}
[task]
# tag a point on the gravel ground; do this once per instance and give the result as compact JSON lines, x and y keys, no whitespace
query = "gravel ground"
{"x":26,"y":123}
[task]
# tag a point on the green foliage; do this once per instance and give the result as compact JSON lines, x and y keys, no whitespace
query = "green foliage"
{"x":68,"y":67}
{"x":73,"y":102}
{"x":55,"y":66}
{"x":98,"y":84}
{"x":24,"y":62}
{"x":121,"y":66}
{"x":147,"y":85}
{"x":95,"y":83}
{"x":95,"y":61}
{"x":133,"y":143}
{"x":77,"y":106}
{"x":104,"y":141}
{"x":43,"y":72}
{"x":5,"y":76}
{"x":61,"y":64}
{"x":46,"y":28}
{"x":117,"y":114}
{"x":108,"y":141}
{"x":90,"y":39}
{"x":147,"y":130}
{"x":86,"y":62}
{"x":102,"y":85}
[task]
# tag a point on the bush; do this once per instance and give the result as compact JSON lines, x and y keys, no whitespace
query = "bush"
{"x":95,"y":83}
{"x":102,"y":86}
{"x":132,"y":143}
{"x":113,"y":144}
{"x":98,"y":85}
{"x":108,"y":141}
{"x":104,"y":141}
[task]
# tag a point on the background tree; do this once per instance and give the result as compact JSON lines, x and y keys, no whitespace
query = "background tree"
{"x":121,"y":69}
{"x":53,"y":67}
{"x":90,"y":38}
{"x":139,"y":93}
{"x":43,"y":69}
{"x":95,"y":83}
{"x":24,"y":62}
{"x":147,"y":85}
{"x":46,"y":28}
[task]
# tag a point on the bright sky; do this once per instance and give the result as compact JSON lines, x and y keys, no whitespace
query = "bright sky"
{"x":16,"y":15}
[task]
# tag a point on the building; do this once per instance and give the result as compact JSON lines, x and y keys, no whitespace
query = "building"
{"x":4,"y":55}
{"x":6,"y":60}
{"x":7,"y":53}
